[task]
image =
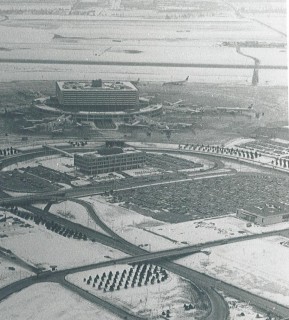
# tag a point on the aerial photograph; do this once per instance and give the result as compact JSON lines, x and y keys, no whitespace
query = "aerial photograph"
{"x":144,"y":160}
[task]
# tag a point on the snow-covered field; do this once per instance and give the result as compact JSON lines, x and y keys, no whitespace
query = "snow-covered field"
{"x":94,"y":39}
{"x":142,"y":172}
{"x":148,"y":301}
{"x":155,"y":235}
{"x":47,"y":301}
{"x":76,"y":213}
{"x":43,"y":248}
{"x":230,"y":77}
{"x":240,"y":167}
{"x":55,"y":162}
{"x":8,"y":276}
{"x":269,"y":56}
{"x":130,"y":225}
{"x":237,"y":308}
{"x":201,"y":231}
{"x":259,"y":266}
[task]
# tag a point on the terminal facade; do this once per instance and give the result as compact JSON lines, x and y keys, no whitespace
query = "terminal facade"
{"x":114,"y":156}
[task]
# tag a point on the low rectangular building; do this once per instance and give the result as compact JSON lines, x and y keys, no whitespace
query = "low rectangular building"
{"x":109,"y":160}
{"x":265,"y":214}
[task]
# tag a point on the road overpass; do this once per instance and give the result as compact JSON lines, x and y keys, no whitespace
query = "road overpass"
{"x":161,"y":258}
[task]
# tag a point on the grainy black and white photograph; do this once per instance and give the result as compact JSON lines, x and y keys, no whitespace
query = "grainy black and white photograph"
{"x":144,"y":160}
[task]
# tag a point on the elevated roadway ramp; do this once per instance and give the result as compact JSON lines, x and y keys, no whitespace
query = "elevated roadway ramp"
{"x":65,"y":153}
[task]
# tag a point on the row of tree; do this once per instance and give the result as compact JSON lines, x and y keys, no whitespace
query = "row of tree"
{"x":8,"y":151}
{"x":139,"y":274}
{"x":281,"y":162}
{"x":50,"y":225}
{"x":222,"y":150}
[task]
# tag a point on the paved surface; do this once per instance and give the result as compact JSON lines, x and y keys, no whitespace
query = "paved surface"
{"x":145,"y":64}
{"x":208,"y":284}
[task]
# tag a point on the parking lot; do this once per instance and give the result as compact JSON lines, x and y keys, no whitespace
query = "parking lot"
{"x":205,"y":198}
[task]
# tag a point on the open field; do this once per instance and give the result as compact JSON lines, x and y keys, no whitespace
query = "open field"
{"x":252,"y":265}
{"x":10,"y":272}
{"x":76,"y":213}
{"x":43,"y":248}
{"x":205,"y":230}
{"x":239,"y":307}
{"x":50,"y":301}
{"x":117,"y":36}
{"x":155,"y":235}
{"x":147,"y":291}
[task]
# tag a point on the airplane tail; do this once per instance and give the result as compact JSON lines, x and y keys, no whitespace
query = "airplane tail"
{"x":187,"y":78}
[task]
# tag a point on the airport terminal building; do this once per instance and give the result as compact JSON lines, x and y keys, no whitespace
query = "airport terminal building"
{"x":110,"y":158}
{"x":97,"y":95}
{"x":97,"y":100}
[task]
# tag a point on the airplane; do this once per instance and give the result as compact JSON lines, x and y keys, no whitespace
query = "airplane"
{"x":176,"y":83}
{"x":173,"y":104}
{"x":240,"y":110}
{"x":135,"y":82}
{"x":29,"y":129}
{"x":34,"y":121}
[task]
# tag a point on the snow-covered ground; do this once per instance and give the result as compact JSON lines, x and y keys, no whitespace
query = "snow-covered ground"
{"x":47,"y":301}
{"x":269,"y":56}
{"x":259,"y":266}
{"x":76,"y":213}
{"x":8,"y":276}
{"x":201,"y":231}
{"x":43,"y":248}
{"x":17,"y":194}
{"x":55,"y":162}
{"x":108,"y":176}
{"x":155,"y":235}
{"x":40,"y":205}
{"x":237,"y":308}
{"x":240,"y":167}
{"x":130,"y":225}
{"x":142,"y":172}
{"x":148,"y":300}
{"x":229,"y":77}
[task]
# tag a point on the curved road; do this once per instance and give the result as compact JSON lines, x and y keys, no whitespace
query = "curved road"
{"x":218,"y":306}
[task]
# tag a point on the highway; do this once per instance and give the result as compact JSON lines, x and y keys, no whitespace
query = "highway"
{"x":208,"y":284}
{"x":10,"y":256}
{"x":100,"y":302}
{"x":201,"y":280}
{"x":160,"y":258}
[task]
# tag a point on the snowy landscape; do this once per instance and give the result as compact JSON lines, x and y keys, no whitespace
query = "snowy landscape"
{"x":198,"y":226}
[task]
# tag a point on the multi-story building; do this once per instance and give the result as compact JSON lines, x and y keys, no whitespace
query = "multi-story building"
{"x":265,"y":214}
{"x":109,"y":159}
{"x":97,"y":95}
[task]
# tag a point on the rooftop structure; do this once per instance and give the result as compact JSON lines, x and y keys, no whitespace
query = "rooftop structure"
{"x":265,"y":214}
{"x":109,"y":158}
{"x":97,"y":95}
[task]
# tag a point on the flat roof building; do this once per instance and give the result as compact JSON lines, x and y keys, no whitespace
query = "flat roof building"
{"x":97,"y":95}
{"x":265,"y":214}
{"x":109,"y":159}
